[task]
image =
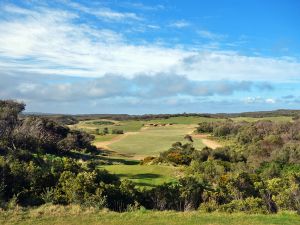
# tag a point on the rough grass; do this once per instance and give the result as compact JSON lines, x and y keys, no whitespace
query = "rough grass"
{"x":154,"y":140}
{"x":145,"y":175}
{"x":74,"y":215}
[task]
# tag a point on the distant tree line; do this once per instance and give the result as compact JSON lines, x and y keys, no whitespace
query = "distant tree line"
{"x":73,"y":119}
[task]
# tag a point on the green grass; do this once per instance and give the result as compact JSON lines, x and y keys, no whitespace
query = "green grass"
{"x":74,"y":215}
{"x":145,"y":175}
{"x":107,"y":137}
{"x":136,"y":125}
{"x":183,"y":120}
{"x":126,"y":126}
{"x":154,"y":140}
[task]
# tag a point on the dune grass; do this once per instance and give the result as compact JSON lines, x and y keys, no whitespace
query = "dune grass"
{"x":75,"y":215}
{"x":145,"y":175}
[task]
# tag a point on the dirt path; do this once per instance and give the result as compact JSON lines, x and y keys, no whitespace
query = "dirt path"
{"x":206,"y":141}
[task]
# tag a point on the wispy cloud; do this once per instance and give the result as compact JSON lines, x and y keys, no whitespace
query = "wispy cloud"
{"x":179,"y":24}
{"x":210,"y":35}
{"x":260,"y":100}
{"x":105,"y":13}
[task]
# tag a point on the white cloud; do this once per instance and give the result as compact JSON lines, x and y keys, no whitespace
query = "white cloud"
{"x":255,"y":100}
{"x":209,"y":35}
{"x":49,"y":41}
{"x":179,"y":24}
{"x":270,"y":101}
{"x":153,"y":26}
{"x":105,"y":13}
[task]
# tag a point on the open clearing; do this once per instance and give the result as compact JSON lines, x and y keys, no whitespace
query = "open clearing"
{"x":57,"y":215}
{"x":152,"y":141}
{"x":141,"y":140}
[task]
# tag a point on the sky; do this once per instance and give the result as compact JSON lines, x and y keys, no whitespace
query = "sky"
{"x":155,"y":56}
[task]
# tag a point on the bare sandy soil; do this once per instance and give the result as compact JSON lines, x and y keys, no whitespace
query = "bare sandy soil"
{"x":207,"y":141}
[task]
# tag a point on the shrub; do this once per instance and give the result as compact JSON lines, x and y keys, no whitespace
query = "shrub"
{"x":249,"y":205}
{"x":117,"y":131}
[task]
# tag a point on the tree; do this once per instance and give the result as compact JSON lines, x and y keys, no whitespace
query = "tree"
{"x":105,"y":131}
{"x":188,"y":138}
{"x":9,"y":111}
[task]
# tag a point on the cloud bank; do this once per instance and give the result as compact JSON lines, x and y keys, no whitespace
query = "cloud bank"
{"x":51,"y":41}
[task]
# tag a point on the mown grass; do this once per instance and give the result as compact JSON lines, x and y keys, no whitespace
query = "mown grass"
{"x":126,"y":126}
{"x":145,"y":175}
{"x":74,"y":215}
{"x":107,"y":137}
{"x":136,"y":125}
{"x":154,"y":140}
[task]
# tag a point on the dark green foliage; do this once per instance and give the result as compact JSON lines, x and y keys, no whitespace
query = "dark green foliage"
{"x":178,"y":154}
{"x":205,"y":127}
{"x":101,"y":122}
{"x":105,"y":131}
{"x":117,"y":131}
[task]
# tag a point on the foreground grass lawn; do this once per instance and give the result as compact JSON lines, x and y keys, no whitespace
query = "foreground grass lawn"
{"x":145,"y":175}
{"x":60,"y":215}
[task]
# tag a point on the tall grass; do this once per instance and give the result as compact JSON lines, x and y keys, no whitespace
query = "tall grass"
{"x":76,"y":215}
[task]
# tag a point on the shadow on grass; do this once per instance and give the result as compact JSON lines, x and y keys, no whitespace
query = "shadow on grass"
{"x":145,"y":176}
{"x":140,"y":176}
{"x":85,"y":157}
{"x":122,"y":161}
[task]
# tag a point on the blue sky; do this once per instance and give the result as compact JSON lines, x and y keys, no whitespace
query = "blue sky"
{"x":159,"y":56}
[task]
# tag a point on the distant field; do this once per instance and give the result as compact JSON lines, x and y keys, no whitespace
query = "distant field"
{"x":151,"y":140}
{"x":127,"y":126}
{"x":154,"y":140}
{"x":136,"y":125}
{"x":274,"y":118}
{"x":145,"y":175}
{"x":183,"y":120}
{"x":74,"y":215}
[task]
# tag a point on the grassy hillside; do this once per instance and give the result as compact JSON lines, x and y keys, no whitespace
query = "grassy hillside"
{"x":56,"y":215}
